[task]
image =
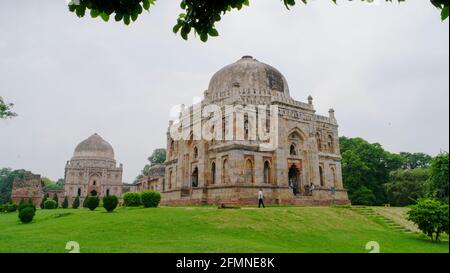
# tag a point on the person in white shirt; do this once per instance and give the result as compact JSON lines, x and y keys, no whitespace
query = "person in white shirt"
{"x":260,"y":198}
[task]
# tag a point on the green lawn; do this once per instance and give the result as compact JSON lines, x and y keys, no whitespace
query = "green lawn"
{"x":206,"y":229}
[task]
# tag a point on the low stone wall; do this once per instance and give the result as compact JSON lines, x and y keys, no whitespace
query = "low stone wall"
{"x":245,"y":195}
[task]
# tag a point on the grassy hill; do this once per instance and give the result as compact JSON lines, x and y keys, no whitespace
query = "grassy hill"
{"x":207,"y":229}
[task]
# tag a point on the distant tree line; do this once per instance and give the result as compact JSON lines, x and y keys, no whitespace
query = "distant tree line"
{"x":374,"y":176}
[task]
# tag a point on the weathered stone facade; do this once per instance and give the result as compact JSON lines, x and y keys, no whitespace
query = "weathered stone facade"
{"x":30,"y":186}
{"x":155,"y":179}
{"x":303,"y":169}
{"x":93,"y":170}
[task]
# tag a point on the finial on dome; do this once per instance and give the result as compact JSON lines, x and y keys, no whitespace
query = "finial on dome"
{"x":247,"y":57}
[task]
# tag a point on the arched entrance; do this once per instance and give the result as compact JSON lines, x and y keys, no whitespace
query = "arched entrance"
{"x":294,"y":179}
{"x":194,"y":178}
{"x":93,"y":193}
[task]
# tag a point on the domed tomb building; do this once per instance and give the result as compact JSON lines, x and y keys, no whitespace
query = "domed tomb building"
{"x":302,"y":168}
{"x":93,"y":170}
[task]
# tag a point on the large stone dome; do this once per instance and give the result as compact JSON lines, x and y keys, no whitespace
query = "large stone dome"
{"x":94,"y":147}
{"x":249,"y":74}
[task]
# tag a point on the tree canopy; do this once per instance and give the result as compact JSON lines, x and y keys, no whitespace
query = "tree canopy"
{"x":5,"y":109}
{"x":439,"y":180}
{"x":158,"y":157}
{"x":198,"y":16}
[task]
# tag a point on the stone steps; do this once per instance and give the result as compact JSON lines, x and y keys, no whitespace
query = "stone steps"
{"x":373,"y":215}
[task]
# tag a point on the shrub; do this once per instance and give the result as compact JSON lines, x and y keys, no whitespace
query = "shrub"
{"x":150,"y":199}
{"x":65,"y":203}
{"x":92,"y":202}
{"x":43,"y":200}
{"x":431,"y":216}
{"x":11,"y":207}
{"x":55,"y":198}
{"x":110,"y":202}
{"x":29,"y":204}
{"x":2,"y":208}
{"x":132,"y":199}
{"x":50,"y":204}
{"x":76,"y":203}
{"x":85,"y":202}
{"x":21,"y":204}
{"x":26,"y":214}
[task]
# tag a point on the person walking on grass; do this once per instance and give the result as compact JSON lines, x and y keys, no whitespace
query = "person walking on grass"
{"x":260,"y":198}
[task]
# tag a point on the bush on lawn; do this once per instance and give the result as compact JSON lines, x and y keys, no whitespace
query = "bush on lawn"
{"x":43,"y":201}
{"x":110,"y":202}
{"x":431,"y":216}
{"x":76,"y":203}
{"x":132,"y":199}
{"x":21,"y":204}
{"x":10,"y":207}
{"x":92,"y":202}
{"x":65,"y":203}
{"x":55,"y":198}
{"x":85,"y":202}
{"x":26,"y":214}
{"x":50,"y":204}
{"x":150,"y":199}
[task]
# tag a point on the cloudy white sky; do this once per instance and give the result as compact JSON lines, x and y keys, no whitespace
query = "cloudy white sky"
{"x":383,"y":67}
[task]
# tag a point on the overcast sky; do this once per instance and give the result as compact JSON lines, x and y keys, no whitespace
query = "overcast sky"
{"x":383,"y":68}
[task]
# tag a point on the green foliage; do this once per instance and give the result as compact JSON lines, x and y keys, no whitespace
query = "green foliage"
{"x":45,"y":198}
{"x":29,"y":204}
{"x":92,"y":202}
{"x":26,"y":214}
{"x":7,"y":177}
{"x":50,"y":204}
{"x":85,"y":202}
{"x":362,"y":196}
{"x":10,"y":207}
{"x":132,"y":199}
{"x":431,"y":216}
{"x":198,"y":16}
{"x":21,"y":204}
{"x":405,"y":187}
{"x":55,"y":198}
{"x":415,"y":160}
{"x":5,"y":109}
{"x":65,"y":203}
{"x":76,"y":203}
{"x":439,"y":180}
{"x":368,"y":165}
{"x":150,"y":199}
{"x":110,"y":202}
{"x":158,"y":157}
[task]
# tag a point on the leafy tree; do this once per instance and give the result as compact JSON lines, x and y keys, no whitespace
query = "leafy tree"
{"x":362,"y":196}
{"x":5,"y":109}
{"x":368,"y":165}
{"x":65,"y":203}
{"x":415,"y":160}
{"x":198,"y":16}
{"x":76,"y":203}
{"x":439,"y":177}
{"x":158,"y":157}
{"x":110,"y":202}
{"x":431,"y":216}
{"x":7,"y":177}
{"x":405,"y":187}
